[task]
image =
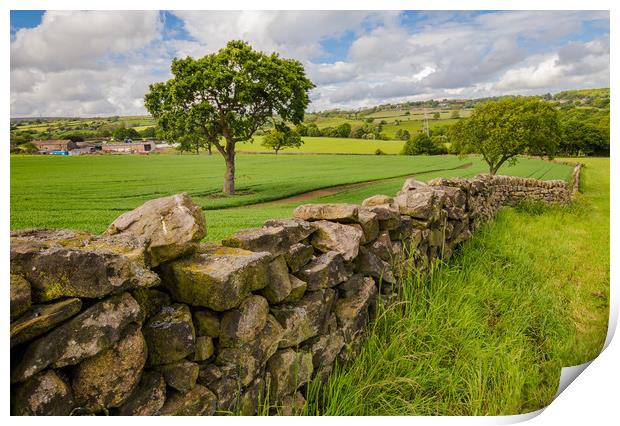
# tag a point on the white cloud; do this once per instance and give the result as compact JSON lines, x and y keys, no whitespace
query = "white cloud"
{"x":81,"y":39}
{"x":101,"y":62}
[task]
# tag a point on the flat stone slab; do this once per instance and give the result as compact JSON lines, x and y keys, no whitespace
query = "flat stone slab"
{"x":339,"y":212}
{"x":275,"y":237}
{"x":42,"y":318}
{"x":216,"y":277}
{"x":56,"y":271}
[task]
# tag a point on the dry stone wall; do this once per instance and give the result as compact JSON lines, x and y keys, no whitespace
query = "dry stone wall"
{"x":147,"y":320}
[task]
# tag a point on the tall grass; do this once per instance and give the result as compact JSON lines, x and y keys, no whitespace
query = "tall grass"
{"x":488,"y":333}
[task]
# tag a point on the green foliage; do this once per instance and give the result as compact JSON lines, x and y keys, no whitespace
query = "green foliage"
{"x":121,"y":133}
{"x":455,"y":114}
{"x":582,"y":138}
{"x":280,"y":138}
{"x":190,"y":142}
{"x":436,"y":116}
{"x":28,"y":148}
{"x":501,"y":130}
{"x":422,"y":144}
{"x":378,"y":151}
{"x":402,"y":134}
{"x":229,"y":95}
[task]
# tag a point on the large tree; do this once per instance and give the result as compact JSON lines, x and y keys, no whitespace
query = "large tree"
{"x":229,"y":95}
{"x":501,"y":130}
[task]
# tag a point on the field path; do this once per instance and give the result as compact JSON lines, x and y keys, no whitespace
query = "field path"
{"x":331,"y":190}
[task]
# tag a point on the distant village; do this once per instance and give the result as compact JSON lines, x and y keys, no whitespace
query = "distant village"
{"x":69,"y":147}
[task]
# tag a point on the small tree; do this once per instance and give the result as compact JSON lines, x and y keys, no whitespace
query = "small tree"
{"x":422,"y":144}
{"x":455,"y":114}
{"x":280,"y":138}
{"x":436,"y":116}
{"x":501,"y":130}
{"x":229,"y":95}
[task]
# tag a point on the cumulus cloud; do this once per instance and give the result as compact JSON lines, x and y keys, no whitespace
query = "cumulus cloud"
{"x":101,"y":62}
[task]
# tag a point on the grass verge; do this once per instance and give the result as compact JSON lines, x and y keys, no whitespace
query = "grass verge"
{"x":488,"y":333}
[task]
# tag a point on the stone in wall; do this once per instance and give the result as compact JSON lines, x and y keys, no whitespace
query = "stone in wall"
{"x":298,"y":255}
{"x":87,"y":334}
{"x":44,"y":394}
{"x":20,"y":296}
{"x":43,"y":318}
{"x":305,"y":318}
{"x":339,"y":212}
{"x":147,"y":398}
{"x":199,"y":401}
{"x":58,"y":272}
{"x":336,"y":237}
{"x":275,"y":237}
{"x":172,"y":226}
{"x":278,"y":282}
{"x":216,"y":277}
{"x":107,"y":379}
{"x":243,"y":324}
{"x":288,"y":370}
{"x":170,"y":334}
{"x":245,"y":360}
{"x":327,"y":270}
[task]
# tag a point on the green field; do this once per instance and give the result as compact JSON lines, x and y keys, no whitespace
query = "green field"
{"x":88,"y":192}
{"x":325,"y":145}
{"x":488,"y":333}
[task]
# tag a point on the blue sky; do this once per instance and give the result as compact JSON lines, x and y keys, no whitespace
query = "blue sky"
{"x":100,"y":62}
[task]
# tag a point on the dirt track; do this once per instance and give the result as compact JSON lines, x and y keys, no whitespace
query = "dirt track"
{"x":339,"y":188}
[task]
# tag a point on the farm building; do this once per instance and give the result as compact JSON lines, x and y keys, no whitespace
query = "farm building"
{"x":54,"y":145}
{"x":143,"y":147}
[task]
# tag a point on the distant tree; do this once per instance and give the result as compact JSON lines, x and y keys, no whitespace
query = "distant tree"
{"x":501,"y":130}
{"x":122,"y":133}
{"x":407,"y":113}
{"x":343,"y":130}
{"x":313,"y":130}
{"x":149,"y":132}
{"x":302,"y":129}
{"x":370,"y":120}
{"x":403,"y":134}
{"x":436,"y":116}
{"x":455,"y":114}
{"x":582,"y":138}
{"x":29,"y":148}
{"x":282,"y":137}
{"x":229,"y":95}
{"x":422,"y":144}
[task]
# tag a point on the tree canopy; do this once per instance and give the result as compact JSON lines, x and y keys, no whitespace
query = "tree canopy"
{"x":228,"y":95}
{"x":501,"y":130}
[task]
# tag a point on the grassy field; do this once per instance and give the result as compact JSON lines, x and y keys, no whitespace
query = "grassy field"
{"x":325,"y":145}
{"x":88,"y":192}
{"x":487,"y":333}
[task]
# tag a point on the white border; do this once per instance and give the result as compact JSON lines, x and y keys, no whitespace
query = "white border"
{"x":592,"y":398}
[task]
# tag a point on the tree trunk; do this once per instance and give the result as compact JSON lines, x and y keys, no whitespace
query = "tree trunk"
{"x":229,"y":176}
{"x":209,"y":148}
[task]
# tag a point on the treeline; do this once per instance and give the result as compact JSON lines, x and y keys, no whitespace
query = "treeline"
{"x":117,"y":132}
